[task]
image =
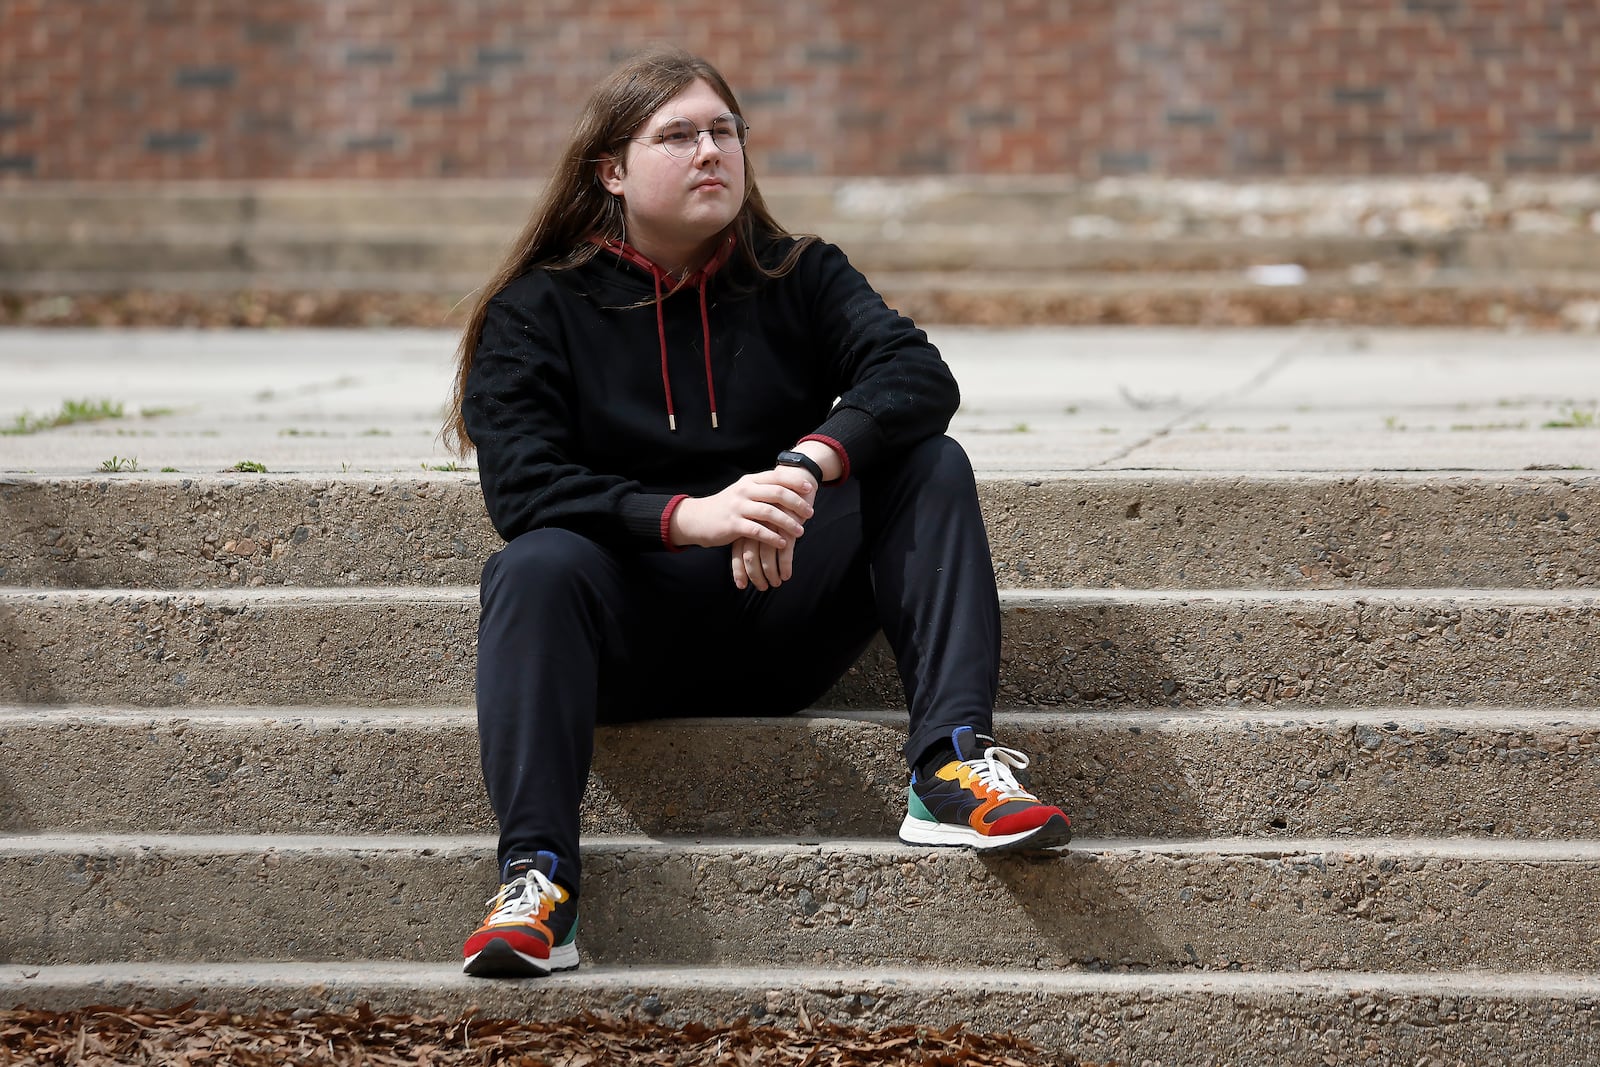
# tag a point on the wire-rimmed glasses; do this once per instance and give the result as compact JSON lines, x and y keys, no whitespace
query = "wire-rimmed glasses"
{"x":680,"y":137}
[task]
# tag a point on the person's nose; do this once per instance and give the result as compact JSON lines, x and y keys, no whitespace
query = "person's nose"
{"x":705,"y":147}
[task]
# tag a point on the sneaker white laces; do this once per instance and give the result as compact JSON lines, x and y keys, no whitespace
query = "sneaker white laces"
{"x":994,"y":771}
{"x":520,"y":897}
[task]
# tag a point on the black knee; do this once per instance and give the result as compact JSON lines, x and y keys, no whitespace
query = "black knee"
{"x":544,"y":566}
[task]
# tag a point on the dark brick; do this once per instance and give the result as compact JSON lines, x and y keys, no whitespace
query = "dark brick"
{"x":461,"y":79}
{"x":1359,"y":96}
{"x":792,"y":163}
{"x":278,"y":33}
{"x":1553,"y":136}
{"x":500,"y":56}
{"x":771,"y":96}
{"x":925,"y":162}
{"x":1258,"y":162}
{"x":1201,"y":117}
{"x":1429,"y":138}
{"x":205,"y":77}
{"x":1202,"y":31}
{"x":377,"y":142}
{"x":863,"y":120}
{"x":1432,"y":7}
{"x":1495,"y":51}
{"x":832,"y":53}
{"x":11,"y":120}
{"x":1531,"y":160}
{"x":368,"y":56}
{"x":173,"y":142}
{"x":1156,"y":53}
{"x":422,"y":98}
{"x":254,"y":122}
{"x":1124,"y":162}
{"x":16,"y":164}
{"x":1002,"y":117}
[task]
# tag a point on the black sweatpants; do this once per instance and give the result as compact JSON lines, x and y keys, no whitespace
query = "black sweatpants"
{"x":572,"y":634}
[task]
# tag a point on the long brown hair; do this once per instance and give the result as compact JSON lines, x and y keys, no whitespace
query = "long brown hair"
{"x":576,"y":207}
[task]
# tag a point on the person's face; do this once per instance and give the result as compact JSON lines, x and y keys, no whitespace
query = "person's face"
{"x":675,"y":205}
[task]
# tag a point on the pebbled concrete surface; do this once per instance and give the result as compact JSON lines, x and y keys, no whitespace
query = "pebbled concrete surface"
{"x":1496,"y":772}
{"x":1396,"y":904}
{"x":385,"y":646}
{"x":1094,"y":529}
{"x":1199,"y":1019}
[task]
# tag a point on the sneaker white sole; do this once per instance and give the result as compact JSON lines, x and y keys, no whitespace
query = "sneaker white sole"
{"x":1053,"y":834}
{"x":498,"y":959}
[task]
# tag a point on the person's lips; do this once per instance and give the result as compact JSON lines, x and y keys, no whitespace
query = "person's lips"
{"x":707,"y":183}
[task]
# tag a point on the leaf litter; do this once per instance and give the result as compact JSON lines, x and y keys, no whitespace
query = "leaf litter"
{"x":104,"y":1035}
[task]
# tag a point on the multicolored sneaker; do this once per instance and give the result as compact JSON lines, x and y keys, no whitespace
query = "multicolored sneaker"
{"x":975,"y":800}
{"x":532,"y":926}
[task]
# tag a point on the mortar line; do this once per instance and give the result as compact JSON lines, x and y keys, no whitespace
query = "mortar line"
{"x":1290,"y":352}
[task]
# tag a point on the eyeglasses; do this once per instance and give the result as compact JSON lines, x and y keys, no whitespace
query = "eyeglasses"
{"x":680,"y":137}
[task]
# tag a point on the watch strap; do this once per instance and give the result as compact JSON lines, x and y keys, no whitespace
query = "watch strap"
{"x":790,"y":458}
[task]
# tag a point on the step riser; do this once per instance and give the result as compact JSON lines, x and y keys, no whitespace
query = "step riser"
{"x":1281,"y":1027}
{"x":461,"y":259}
{"x":837,"y":778}
{"x":164,"y":649}
{"x":181,"y":533}
{"x":750,"y":905}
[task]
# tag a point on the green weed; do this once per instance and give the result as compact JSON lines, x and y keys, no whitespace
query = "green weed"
{"x":249,"y":466}
{"x":117,"y":464}
{"x":1575,"y":419}
{"x":72,"y":411}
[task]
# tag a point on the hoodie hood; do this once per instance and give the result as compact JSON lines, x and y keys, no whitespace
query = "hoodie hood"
{"x":626,"y":253}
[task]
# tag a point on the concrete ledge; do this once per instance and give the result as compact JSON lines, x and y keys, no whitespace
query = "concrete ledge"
{"x":1497,"y":772}
{"x":1285,"y":1020}
{"x":1142,"y":531}
{"x":1392,"y":904}
{"x":381,"y":646}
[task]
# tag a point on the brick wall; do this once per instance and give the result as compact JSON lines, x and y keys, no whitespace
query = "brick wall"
{"x":182,"y":89}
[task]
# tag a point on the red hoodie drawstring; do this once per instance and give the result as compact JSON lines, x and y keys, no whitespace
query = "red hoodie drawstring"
{"x":661,"y":336}
{"x":705,"y":328}
{"x":700,"y":279}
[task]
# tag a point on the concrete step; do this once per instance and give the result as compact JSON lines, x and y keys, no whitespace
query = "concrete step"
{"x":1097,"y":529}
{"x":1026,"y":222}
{"x":1204,"y":1019}
{"x":1298,"y":904}
{"x":422,"y":258}
{"x":1526,"y":648}
{"x":1496,"y":772}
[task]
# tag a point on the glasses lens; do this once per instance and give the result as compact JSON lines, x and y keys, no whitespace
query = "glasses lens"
{"x":680,"y":137}
{"x":728,"y":132}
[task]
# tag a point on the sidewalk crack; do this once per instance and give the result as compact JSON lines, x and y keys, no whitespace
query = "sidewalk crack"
{"x":1291,"y":351}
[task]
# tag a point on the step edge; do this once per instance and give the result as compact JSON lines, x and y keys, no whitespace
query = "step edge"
{"x":1509,"y":850}
{"x":1163,"y":720}
{"x":1010,"y":597}
{"x":294,"y":976}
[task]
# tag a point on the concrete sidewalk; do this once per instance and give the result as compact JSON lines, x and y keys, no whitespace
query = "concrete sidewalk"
{"x":1038,"y":400}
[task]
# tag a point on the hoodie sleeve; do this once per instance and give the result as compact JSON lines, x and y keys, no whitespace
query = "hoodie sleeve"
{"x":517,"y":405}
{"x":894,"y":388}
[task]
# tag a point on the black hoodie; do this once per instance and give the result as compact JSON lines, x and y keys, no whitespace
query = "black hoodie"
{"x":594,"y":407}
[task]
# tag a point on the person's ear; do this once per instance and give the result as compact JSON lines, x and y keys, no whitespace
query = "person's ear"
{"x":609,"y":171}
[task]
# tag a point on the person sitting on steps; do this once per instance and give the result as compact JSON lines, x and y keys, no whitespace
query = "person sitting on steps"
{"x":719,"y":464}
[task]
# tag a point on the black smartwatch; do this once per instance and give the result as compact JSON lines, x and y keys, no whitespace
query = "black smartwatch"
{"x":789,"y":458}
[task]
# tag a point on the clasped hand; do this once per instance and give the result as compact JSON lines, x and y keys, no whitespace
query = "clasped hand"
{"x":760,"y":516}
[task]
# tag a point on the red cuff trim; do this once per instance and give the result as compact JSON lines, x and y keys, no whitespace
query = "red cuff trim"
{"x":666,"y":521}
{"x":838,"y":450}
